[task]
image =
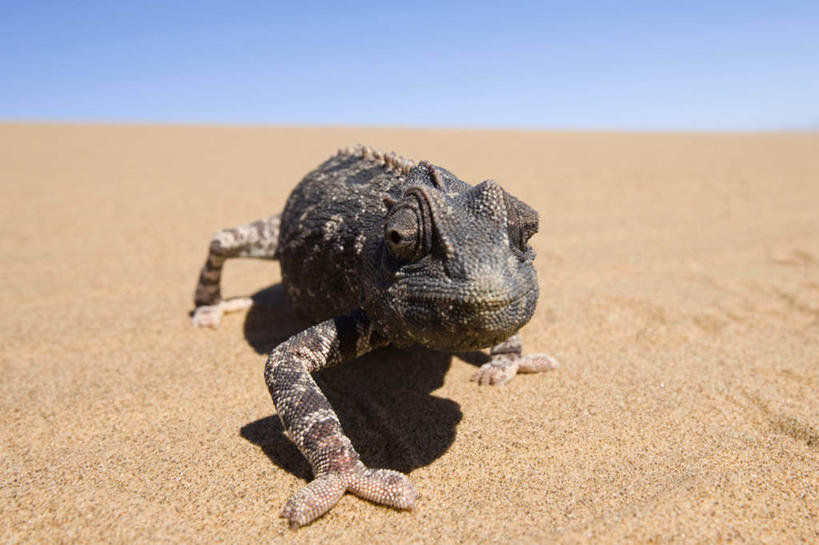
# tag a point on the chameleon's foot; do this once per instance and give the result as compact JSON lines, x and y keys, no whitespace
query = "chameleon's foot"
{"x":503,"y":367}
{"x":377,"y":485}
{"x":211,"y":315}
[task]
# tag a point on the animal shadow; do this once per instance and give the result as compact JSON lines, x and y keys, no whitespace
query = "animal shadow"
{"x":383,"y":399}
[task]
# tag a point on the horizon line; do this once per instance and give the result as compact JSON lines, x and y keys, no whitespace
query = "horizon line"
{"x":406,"y":127}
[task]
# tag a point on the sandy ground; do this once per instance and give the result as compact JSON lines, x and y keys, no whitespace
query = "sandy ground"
{"x":679,"y":281}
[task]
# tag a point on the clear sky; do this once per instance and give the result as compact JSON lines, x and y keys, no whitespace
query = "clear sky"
{"x":678,"y":65}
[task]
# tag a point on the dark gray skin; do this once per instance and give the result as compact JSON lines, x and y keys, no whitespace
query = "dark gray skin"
{"x":379,"y":251}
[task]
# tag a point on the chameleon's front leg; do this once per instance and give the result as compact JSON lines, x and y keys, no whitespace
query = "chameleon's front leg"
{"x":309,"y":420}
{"x":506,"y":360}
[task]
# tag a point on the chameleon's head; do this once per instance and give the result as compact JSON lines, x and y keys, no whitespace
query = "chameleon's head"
{"x":453,"y":269}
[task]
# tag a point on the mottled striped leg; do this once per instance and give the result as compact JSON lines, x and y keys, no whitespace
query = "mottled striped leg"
{"x":506,"y":361}
{"x":258,"y":239}
{"x":309,"y":420}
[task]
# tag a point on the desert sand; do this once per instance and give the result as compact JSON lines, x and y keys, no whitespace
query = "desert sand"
{"x":679,"y":278}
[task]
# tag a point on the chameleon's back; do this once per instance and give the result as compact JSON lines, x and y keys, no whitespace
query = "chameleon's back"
{"x":326,"y":224}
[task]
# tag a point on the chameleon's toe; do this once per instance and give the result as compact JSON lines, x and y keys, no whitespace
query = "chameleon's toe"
{"x":502,"y":368}
{"x":211,"y":315}
{"x":207,"y":316}
{"x":384,"y":486}
{"x":313,"y":500}
{"x":499,"y":370}
{"x":537,"y":363}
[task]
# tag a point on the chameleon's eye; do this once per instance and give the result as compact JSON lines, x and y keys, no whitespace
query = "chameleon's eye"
{"x":516,"y":235}
{"x":522,"y":222}
{"x":403,"y":233}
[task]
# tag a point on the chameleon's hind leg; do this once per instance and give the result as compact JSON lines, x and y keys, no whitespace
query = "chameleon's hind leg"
{"x":310,"y":422}
{"x":506,"y":361}
{"x":258,"y":239}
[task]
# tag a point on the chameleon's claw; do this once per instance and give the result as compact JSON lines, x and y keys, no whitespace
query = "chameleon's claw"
{"x":383,"y":486}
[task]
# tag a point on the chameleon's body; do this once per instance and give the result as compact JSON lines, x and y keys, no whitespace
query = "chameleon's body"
{"x":377,"y":250}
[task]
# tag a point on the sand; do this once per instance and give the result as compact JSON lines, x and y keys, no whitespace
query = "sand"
{"x":679,"y":278}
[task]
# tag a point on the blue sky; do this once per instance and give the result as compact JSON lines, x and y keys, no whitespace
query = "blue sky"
{"x":565,"y":65}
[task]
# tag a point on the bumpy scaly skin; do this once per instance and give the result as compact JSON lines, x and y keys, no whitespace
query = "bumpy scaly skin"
{"x":378,"y":250}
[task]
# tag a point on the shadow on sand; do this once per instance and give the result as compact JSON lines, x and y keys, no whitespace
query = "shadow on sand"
{"x":383,"y":399}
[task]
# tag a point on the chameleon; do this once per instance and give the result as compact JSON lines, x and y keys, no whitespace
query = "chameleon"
{"x":378,"y":250}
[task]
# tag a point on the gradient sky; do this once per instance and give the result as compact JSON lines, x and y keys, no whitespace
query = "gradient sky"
{"x":735,"y":65}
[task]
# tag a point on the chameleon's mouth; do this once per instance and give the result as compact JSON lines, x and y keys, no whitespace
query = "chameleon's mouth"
{"x":444,"y":320}
{"x":450,"y":299}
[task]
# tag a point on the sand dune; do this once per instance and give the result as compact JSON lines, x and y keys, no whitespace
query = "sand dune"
{"x":679,"y":279}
